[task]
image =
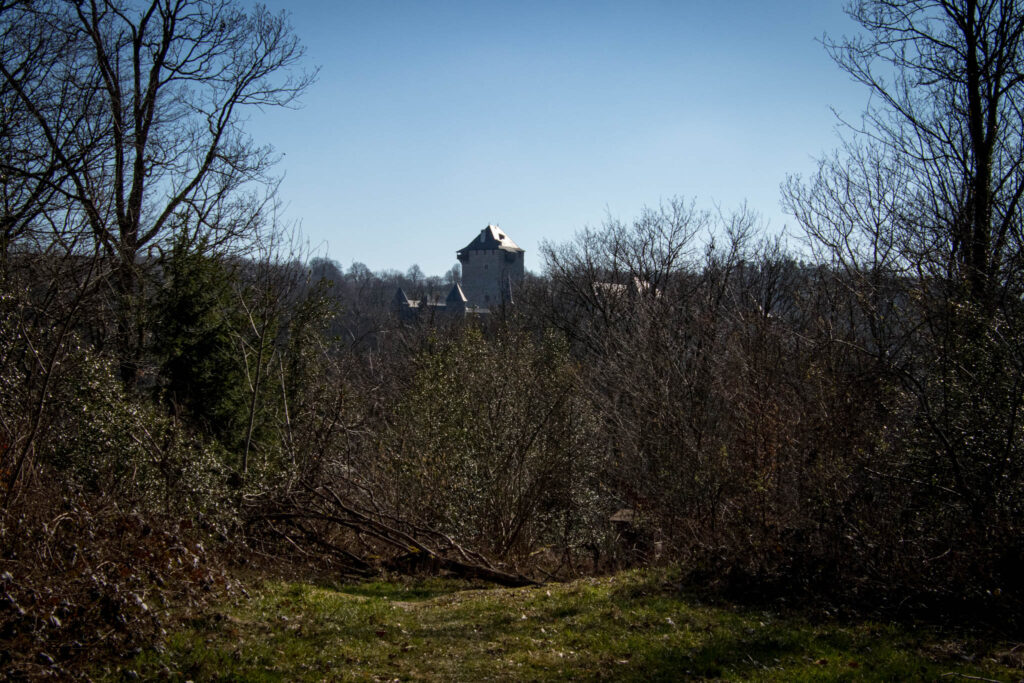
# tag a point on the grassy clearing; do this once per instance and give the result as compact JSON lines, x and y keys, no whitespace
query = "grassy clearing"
{"x":634,"y":626}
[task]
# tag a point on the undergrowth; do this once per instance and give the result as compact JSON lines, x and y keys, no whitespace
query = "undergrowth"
{"x":632,"y":626}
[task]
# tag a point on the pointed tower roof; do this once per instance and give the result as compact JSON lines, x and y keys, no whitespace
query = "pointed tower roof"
{"x":456,"y":297}
{"x":400,"y":298}
{"x":490,"y":238}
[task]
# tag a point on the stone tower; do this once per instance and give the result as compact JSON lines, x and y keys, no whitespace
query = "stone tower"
{"x":492,"y":264}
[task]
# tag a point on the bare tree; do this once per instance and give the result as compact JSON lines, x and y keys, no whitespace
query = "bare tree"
{"x":38,"y":142}
{"x":931,"y":179}
{"x":717,"y":404}
{"x":165,"y":85}
{"x":921,"y":211}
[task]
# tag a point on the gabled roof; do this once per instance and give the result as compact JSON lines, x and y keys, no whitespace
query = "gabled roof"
{"x":490,"y":238}
{"x":625,"y":515}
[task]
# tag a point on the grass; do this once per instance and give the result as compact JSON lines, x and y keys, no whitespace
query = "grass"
{"x":633,"y":626}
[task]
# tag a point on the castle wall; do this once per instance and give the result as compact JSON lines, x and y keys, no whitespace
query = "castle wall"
{"x":485,"y":273}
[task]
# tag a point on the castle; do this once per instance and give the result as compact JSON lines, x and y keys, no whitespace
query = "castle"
{"x":492,"y":264}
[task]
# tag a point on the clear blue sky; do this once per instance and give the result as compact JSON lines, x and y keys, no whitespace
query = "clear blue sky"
{"x":432,"y":119}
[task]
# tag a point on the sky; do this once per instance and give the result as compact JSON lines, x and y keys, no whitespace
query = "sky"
{"x":431,"y":119}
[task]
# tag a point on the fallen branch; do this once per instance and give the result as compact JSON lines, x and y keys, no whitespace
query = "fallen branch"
{"x":419,"y":547}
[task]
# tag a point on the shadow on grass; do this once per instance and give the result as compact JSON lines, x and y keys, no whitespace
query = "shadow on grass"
{"x":742,"y":658}
{"x":721,"y":655}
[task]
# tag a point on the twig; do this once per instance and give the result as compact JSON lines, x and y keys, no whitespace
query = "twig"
{"x":973,"y":678}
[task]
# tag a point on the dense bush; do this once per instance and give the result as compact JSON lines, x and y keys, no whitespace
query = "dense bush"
{"x":492,"y":444}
